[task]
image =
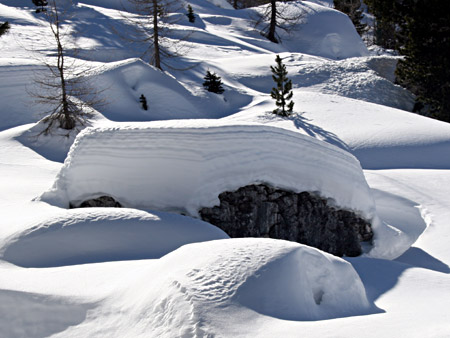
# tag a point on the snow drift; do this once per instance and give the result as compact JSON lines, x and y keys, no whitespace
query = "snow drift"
{"x":197,"y":288}
{"x":100,"y":235}
{"x":183,"y":167}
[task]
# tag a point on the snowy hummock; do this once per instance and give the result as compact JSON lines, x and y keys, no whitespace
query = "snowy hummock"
{"x":199,"y":285}
{"x":186,"y":165}
{"x":100,"y":235}
{"x":341,"y":96}
{"x":183,"y":166}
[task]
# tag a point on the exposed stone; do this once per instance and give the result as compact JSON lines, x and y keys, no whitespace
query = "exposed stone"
{"x":101,"y":202}
{"x":263,"y":211}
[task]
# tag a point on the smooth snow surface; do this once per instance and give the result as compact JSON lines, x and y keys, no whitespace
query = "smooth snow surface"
{"x":99,"y":235}
{"x":127,"y":272}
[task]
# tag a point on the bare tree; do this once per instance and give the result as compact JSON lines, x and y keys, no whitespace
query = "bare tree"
{"x":66,"y":92}
{"x":153,"y":28}
{"x":275,"y":16}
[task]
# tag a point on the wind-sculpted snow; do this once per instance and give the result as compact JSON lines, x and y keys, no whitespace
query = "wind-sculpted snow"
{"x":200,"y":283}
{"x":101,"y":235}
{"x":185,"y":166}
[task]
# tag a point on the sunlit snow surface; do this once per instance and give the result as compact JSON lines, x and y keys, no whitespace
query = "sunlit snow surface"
{"x":99,"y":270}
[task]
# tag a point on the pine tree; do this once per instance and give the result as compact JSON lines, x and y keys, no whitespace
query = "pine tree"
{"x":41,"y":3}
{"x":4,"y":28}
{"x":283,"y":91}
{"x":190,"y":14}
{"x":213,"y":83}
{"x":62,"y":89}
{"x":143,"y":101}
{"x":275,"y":17}
{"x":153,"y":28}
{"x":425,"y":69}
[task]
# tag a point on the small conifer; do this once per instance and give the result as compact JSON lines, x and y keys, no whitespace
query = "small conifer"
{"x":190,"y":14}
{"x":4,"y":28}
{"x":41,"y":3}
{"x":213,"y":83}
{"x":143,"y":101}
{"x":283,"y":91}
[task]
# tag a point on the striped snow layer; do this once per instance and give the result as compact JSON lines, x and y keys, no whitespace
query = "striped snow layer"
{"x":170,"y":166}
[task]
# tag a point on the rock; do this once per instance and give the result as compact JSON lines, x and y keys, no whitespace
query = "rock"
{"x":264,"y":211}
{"x":101,"y":202}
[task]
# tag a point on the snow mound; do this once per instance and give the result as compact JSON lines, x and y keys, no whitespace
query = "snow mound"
{"x":185,"y":165}
{"x":124,"y":82}
{"x":272,"y":277}
{"x":99,"y":235}
{"x":367,"y":79}
{"x":327,"y":33}
{"x":24,"y":314}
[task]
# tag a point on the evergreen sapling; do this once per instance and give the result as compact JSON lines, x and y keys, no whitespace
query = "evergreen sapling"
{"x":4,"y":28}
{"x":190,"y":14}
{"x":41,"y":3}
{"x":283,"y":91}
{"x":143,"y":101}
{"x":213,"y":83}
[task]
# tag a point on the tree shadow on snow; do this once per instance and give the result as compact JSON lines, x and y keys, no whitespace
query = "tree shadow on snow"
{"x":302,"y":123}
{"x":418,"y":258}
{"x":379,"y":275}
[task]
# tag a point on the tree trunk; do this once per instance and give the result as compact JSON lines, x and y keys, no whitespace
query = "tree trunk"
{"x":156,"y":52}
{"x":273,"y":22}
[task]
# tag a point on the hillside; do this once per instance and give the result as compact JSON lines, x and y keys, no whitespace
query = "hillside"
{"x":153,"y":269}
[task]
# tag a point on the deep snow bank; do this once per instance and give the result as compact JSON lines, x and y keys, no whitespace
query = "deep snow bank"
{"x":275,"y":278}
{"x":185,"y":166}
{"x":99,"y":235}
{"x":323,"y":32}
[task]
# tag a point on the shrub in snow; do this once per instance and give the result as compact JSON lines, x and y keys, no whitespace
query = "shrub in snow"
{"x":213,"y":83}
{"x":283,"y":91}
{"x":4,"y":28}
{"x":190,"y":14}
{"x":40,"y":3}
{"x":143,"y":101}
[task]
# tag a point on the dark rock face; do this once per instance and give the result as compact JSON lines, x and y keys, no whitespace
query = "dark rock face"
{"x":101,"y":202}
{"x":263,"y":211}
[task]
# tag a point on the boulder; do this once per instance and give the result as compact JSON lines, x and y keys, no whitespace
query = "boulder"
{"x":101,"y":202}
{"x":265,"y":211}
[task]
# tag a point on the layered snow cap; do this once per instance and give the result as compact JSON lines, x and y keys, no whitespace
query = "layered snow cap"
{"x":183,"y":166}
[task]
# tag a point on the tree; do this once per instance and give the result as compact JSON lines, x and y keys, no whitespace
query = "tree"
{"x":60,"y":88}
{"x":283,"y":91}
{"x":274,"y":17}
{"x":213,"y":83}
{"x":153,"y":29}
{"x":354,"y":11}
{"x":425,"y":69}
{"x":143,"y":101}
{"x":41,"y":3}
{"x":4,"y":28}
{"x":190,"y":14}
{"x":389,"y":21}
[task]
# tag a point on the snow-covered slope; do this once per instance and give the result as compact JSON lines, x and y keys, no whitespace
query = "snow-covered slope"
{"x":227,"y":288}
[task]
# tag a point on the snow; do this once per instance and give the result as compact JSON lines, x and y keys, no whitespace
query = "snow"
{"x":140,"y":273}
{"x":174,"y":167}
{"x":99,"y":235}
